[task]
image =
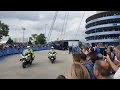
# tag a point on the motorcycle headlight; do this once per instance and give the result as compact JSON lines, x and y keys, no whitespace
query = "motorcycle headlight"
{"x":26,"y":56}
{"x":23,"y":56}
{"x":51,"y":54}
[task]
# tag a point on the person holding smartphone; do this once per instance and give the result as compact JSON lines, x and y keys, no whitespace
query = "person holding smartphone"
{"x":115,"y":67}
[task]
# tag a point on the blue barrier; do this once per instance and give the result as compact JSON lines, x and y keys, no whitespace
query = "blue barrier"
{"x":11,"y":51}
{"x":1,"y":54}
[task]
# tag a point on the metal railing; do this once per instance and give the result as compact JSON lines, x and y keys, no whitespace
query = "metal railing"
{"x":103,"y":18}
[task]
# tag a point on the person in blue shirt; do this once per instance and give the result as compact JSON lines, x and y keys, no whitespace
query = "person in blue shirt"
{"x":82,"y":59}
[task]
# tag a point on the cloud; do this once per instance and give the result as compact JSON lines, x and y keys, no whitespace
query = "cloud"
{"x":34,"y":22}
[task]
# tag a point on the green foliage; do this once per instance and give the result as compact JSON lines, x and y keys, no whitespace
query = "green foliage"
{"x":80,"y":44}
{"x":34,"y":35}
{"x":10,"y":41}
{"x":4,"y":29}
{"x":30,"y":38}
{"x":38,"y":39}
{"x":29,"y":42}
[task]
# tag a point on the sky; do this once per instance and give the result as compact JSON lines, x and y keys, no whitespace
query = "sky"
{"x":35,"y":22}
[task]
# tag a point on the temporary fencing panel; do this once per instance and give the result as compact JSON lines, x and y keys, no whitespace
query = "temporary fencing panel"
{"x":13,"y":50}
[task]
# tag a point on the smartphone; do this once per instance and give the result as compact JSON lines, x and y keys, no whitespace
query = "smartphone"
{"x":104,"y":57}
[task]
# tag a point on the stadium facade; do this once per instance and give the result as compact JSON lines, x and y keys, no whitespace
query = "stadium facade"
{"x":104,"y":26}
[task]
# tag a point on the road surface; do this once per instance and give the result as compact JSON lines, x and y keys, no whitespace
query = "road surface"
{"x":11,"y":67}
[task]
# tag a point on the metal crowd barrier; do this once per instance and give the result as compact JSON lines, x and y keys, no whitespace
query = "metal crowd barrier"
{"x":11,"y":51}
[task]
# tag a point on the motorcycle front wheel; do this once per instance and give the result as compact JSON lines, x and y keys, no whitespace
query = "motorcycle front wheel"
{"x":52,"y":61}
{"x":30,"y":62}
{"x":24,"y":64}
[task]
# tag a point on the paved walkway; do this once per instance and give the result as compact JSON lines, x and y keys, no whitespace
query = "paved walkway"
{"x":11,"y":67}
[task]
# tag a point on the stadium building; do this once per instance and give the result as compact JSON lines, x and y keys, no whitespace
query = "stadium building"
{"x":104,"y":26}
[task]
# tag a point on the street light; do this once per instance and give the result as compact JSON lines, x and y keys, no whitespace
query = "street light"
{"x":23,"y":33}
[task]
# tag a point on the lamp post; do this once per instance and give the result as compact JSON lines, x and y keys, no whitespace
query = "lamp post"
{"x":23,"y":33}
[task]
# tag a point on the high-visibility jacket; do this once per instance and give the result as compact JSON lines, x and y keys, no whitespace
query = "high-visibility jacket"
{"x":52,"y":52}
{"x":29,"y":51}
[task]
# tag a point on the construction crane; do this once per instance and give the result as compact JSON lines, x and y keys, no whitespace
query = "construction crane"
{"x":52,"y":25}
{"x":79,"y":25}
{"x":62,"y":35}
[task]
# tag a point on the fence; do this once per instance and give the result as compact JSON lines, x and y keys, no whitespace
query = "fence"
{"x":13,"y":50}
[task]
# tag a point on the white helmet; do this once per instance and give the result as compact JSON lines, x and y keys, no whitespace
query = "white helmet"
{"x":28,"y":46}
{"x":52,"y":47}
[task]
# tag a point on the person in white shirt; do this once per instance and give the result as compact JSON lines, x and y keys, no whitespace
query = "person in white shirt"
{"x":115,"y":67}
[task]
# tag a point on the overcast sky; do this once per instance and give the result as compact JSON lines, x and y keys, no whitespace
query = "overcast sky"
{"x":35,"y":21}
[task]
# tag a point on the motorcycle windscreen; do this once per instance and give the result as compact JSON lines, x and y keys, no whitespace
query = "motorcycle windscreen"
{"x":24,"y":53}
{"x":28,"y":58}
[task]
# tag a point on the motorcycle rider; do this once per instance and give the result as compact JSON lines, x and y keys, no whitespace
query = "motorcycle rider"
{"x":52,"y":51}
{"x":29,"y":51}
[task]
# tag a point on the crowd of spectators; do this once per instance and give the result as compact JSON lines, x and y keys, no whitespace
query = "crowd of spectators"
{"x":95,"y":62}
{"x":17,"y":48}
{"x":20,"y":45}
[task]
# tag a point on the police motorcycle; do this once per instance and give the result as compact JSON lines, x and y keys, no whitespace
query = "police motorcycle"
{"x":26,"y":59}
{"x":52,"y":56}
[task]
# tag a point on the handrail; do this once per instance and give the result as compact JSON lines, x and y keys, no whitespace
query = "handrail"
{"x":103,"y":18}
{"x":103,"y":26}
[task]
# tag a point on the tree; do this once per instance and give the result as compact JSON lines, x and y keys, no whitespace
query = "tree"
{"x":80,"y":43}
{"x":57,"y":39}
{"x":38,"y":39}
{"x":29,"y":42}
{"x":30,"y":38}
{"x":4,"y":29}
{"x":10,"y":41}
{"x":34,"y":35}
